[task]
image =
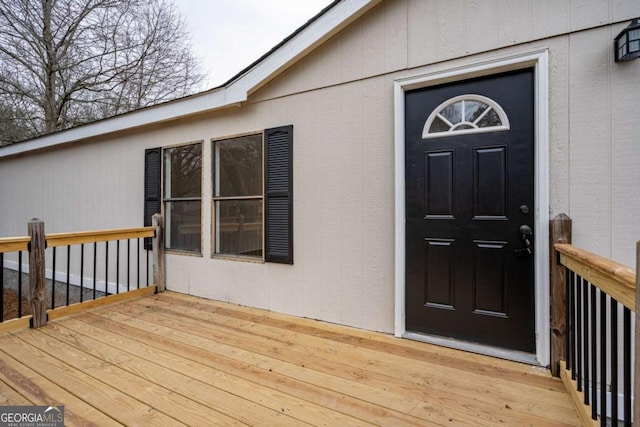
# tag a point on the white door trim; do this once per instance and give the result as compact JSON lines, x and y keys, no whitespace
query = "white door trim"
{"x":539,"y":60}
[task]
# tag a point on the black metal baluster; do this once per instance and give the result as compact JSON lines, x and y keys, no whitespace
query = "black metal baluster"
{"x":81,"y":272}
{"x":128,"y":264}
{"x":53,"y":280}
{"x":138,"y":255}
{"x":603,"y":359}
{"x":19,"y":284}
{"x":95,"y":253}
{"x":578,"y":376}
{"x":567,"y":320}
{"x":106,"y":268}
{"x":626,"y":394}
{"x":117,"y":266}
{"x":574,"y":324}
{"x":147,"y":268}
{"x":585,"y":338}
{"x":614,"y":359}
{"x":1,"y":287}
{"x":68,"y":272}
{"x":594,"y":356}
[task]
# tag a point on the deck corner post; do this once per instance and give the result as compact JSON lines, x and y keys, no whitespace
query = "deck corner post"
{"x":560,"y":232}
{"x":37,"y":299}
{"x":158,"y":252}
{"x":636,"y":379}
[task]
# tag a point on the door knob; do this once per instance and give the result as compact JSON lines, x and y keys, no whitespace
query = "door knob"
{"x":525,"y":230}
{"x":526,"y":234}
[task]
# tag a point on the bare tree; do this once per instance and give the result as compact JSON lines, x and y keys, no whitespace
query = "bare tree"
{"x":67,"y":62}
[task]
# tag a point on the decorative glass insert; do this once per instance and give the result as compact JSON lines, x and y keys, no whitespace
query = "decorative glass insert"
{"x":465,"y":114}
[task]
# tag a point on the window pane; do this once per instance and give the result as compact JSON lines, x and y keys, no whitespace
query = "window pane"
{"x":453,"y":113}
{"x":182,"y":171}
{"x":490,"y":119}
{"x":239,"y":227}
{"x":473,"y":110}
{"x":238,"y":167}
{"x":438,"y":126}
{"x":182,"y":226}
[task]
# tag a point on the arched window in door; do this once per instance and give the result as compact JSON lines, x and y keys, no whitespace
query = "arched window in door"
{"x":465,"y":114}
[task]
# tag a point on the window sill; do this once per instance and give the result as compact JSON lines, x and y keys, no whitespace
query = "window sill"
{"x":179,"y":252}
{"x":238,"y":258}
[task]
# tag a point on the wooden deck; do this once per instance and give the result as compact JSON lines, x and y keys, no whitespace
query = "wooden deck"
{"x":171,"y":359}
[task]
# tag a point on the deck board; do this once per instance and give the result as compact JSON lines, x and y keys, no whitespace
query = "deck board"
{"x":172,"y":359}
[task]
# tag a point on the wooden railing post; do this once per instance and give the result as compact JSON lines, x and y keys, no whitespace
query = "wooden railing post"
{"x":636,"y":379}
{"x":37,"y":298}
{"x":560,"y":232}
{"x":158,"y":252}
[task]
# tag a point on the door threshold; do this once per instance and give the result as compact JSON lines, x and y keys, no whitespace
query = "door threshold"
{"x":487,"y":350}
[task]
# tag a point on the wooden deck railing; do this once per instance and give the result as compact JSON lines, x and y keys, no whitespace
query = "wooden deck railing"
{"x":595,"y":372}
{"x":52,"y":255}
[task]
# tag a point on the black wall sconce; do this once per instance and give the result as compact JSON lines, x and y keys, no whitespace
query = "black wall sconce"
{"x":627,"y":44}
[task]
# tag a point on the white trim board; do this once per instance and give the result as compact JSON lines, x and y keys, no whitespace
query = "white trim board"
{"x":539,"y":60}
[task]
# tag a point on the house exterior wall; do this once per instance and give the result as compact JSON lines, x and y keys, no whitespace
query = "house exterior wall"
{"x":340,"y":101}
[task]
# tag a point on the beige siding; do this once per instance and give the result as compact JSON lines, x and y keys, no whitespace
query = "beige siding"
{"x":340,"y":101}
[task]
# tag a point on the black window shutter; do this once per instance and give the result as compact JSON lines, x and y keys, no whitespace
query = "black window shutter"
{"x":152,"y":177}
{"x":278,"y":200}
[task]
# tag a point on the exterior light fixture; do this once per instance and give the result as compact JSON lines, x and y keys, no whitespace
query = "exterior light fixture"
{"x":627,"y":44}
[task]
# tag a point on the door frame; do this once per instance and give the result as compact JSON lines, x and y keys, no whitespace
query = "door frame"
{"x":539,"y":61}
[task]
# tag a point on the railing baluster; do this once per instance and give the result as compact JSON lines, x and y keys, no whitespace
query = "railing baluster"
{"x":594,"y":356}
{"x":81,"y":272}
{"x":128,"y":264}
{"x":1,"y":287}
{"x":68,"y":272}
{"x":106,"y":268}
{"x":627,"y":366}
{"x":147,"y":268}
{"x":138,"y":255}
{"x":53,"y":280}
{"x":603,"y":359}
{"x":95,"y":253}
{"x":574,"y":324}
{"x":19,"y":284}
{"x":117,"y":267}
{"x":614,"y":359}
{"x":585,"y":338}
{"x":579,"y":327}
{"x":567,"y":320}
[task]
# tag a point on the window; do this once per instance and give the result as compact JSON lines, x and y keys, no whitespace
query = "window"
{"x":252,"y":195}
{"x":182,"y":197}
{"x":238,"y":196}
{"x":465,"y":114}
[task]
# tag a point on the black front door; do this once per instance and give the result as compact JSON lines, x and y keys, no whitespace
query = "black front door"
{"x":470,"y":211}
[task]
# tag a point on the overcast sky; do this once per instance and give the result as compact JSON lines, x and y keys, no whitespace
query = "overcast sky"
{"x":229,"y":35}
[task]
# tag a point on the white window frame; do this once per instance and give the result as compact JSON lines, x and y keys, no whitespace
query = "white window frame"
{"x":165,"y":200}
{"x":214,"y":199}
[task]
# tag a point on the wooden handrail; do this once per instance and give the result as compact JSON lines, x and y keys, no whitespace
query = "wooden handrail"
{"x":65,"y":239}
{"x":14,"y":244}
{"x":615,"y":279}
